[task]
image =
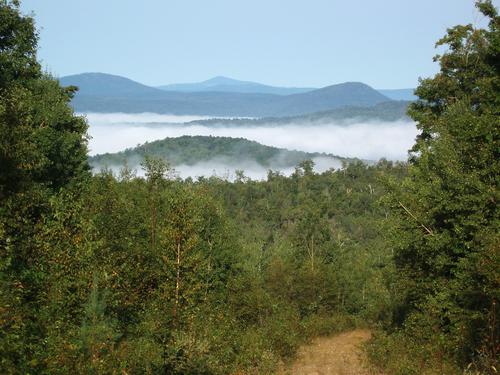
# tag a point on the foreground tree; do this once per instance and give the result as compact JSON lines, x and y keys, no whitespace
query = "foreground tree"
{"x":447,"y":232}
{"x":42,"y":150}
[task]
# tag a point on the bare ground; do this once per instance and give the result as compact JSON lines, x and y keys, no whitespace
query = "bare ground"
{"x":335,"y":355}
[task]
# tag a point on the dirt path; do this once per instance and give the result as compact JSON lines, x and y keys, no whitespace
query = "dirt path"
{"x":335,"y":355}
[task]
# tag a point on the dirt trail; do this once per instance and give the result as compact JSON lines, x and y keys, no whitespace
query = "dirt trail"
{"x":334,"y":355}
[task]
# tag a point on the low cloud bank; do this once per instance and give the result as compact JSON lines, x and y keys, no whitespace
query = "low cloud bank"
{"x":368,"y":140}
{"x":365,"y":140}
{"x":138,"y":118}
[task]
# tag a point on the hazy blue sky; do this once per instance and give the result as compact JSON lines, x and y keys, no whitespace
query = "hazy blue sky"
{"x":385,"y":43}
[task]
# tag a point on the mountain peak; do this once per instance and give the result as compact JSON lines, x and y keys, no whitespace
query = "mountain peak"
{"x":222,"y":80}
{"x":96,"y":83}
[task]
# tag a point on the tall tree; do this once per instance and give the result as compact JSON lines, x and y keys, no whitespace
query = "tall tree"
{"x":42,"y":150}
{"x":449,"y":217}
{"x":156,"y":170}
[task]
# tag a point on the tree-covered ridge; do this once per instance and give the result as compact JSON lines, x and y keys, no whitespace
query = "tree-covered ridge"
{"x":191,"y":150}
{"x":382,"y":112}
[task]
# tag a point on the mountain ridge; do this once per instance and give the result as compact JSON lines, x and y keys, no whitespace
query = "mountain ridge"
{"x":226,"y":84}
{"x":99,"y":92}
{"x":96,"y":83}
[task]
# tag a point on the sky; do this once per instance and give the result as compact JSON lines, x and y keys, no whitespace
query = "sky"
{"x":313,"y":43}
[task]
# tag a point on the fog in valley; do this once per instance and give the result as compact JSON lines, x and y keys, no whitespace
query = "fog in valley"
{"x":115,"y":132}
{"x":226,"y":169}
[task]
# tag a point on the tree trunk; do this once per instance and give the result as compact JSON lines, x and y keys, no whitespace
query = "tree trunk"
{"x":311,"y":254}
{"x":153,"y":225}
{"x":177,"y":280}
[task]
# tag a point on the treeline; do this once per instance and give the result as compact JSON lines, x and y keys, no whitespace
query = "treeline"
{"x":119,"y":274}
{"x":381,"y":112}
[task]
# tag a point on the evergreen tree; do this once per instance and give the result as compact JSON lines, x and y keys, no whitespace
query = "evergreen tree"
{"x":449,"y":219}
{"x":42,"y":150}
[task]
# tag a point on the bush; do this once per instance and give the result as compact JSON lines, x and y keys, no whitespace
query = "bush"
{"x":324,"y":324}
{"x":400,"y":353}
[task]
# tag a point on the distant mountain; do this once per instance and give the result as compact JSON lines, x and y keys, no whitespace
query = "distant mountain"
{"x":225,"y":84}
{"x":108,"y":85}
{"x":106,"y":93}
{"x":330,"y":97}
{"x":190,"y":150}
{"x":399,"y":94}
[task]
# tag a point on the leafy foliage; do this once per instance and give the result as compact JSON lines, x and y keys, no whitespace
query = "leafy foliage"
{"x":446,"y":235}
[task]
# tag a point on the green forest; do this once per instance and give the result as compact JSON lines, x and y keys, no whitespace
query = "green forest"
{"x":120,"y":274}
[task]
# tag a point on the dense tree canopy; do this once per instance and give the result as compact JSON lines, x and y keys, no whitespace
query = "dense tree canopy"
{"x":42,"y":149}
{"x":447,"y":232}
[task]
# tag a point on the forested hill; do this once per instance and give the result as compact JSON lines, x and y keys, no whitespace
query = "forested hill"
{"x":190,"y":150}
{"x":386,"y":111}
{"x":107,"y":93}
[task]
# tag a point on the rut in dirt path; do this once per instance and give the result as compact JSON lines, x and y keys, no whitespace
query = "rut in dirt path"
{"x":334,"y":355}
